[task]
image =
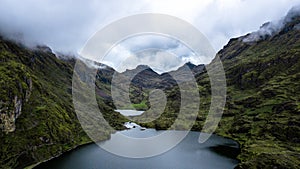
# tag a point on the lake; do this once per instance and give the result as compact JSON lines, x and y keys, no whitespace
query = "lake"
{"x":130,"y":112}
{"x":216,"y":153}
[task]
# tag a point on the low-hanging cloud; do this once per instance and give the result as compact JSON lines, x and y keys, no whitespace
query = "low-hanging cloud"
{"x":161,"y":53}
{"x":271,"y":28}
{"x":65,"y":26}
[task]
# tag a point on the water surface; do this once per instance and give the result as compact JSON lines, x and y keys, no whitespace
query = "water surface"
{"x":215,"y":153}
{"x":130,"y":112}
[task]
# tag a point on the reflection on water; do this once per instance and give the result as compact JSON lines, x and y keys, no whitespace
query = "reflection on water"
{"x":130,"y":112}
{"x":215,"y":153}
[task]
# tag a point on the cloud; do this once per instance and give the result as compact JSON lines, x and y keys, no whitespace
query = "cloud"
{"x":270,"y":28}
{"x":159,"y":52}
{"x":137,"y":43}
{"x":65,"y":26}
{"x":159,"y":61}
{"x":221,"y":20}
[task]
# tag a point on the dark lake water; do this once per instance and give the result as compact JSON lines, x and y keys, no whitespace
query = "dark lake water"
{"x":215,"y":153}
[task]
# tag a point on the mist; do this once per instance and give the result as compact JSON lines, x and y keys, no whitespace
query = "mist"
{"x":65,"y":26}
{"x":271,"y":28}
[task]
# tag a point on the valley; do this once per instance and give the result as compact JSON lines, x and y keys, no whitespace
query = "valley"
{"x":262,"y":111}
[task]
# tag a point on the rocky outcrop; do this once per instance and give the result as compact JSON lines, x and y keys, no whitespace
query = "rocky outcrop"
{"x":12,"y":109}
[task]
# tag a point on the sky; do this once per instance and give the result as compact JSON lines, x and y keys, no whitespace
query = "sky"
{"x":67,"y":25}
{"x":160,"y":53}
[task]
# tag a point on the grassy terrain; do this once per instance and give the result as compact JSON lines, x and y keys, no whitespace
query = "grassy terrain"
{"x":262,"y":109}
{"x":137,"y":106}
{"x":48,"y":125}
{"x":140,"y":106}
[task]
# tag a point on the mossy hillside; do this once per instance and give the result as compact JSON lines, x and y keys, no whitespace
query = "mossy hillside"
{"x":263,"y":98}
{"x":48,"y":125}
{"x":261,"y":112}
{"x":16,"y":89}
{"x":262,"y":109}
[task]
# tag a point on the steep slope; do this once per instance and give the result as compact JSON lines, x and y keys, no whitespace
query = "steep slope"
{"x":44,"y":124}
{"x":144,"y":80}
{"x":262,"y":112}
{"x":262,"y":109}
{"x":37,"y":118}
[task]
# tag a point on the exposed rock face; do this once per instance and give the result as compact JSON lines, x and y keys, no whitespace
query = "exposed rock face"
{"x":37,"y":117}
{"x":12,"y":109}
{"x":8,"y":117}
{"x":262,"y":109}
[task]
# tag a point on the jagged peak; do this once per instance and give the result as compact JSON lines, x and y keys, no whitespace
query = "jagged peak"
{"x":190,"y":65}
{"x":139,"y":67}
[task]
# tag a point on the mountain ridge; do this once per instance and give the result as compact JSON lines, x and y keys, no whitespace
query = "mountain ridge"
{"x":261,"y":113}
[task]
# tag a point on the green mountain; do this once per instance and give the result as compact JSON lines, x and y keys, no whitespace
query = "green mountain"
{"x":262,"y":109}
{"x":37,"y":118}
{"x":262,"y":112}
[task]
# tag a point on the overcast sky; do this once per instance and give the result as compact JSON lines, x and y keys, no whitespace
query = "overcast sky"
{"x":66,"y":25}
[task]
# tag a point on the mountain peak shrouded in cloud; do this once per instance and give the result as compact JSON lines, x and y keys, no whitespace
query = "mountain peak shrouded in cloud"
{"x":271,"y":28}
{"x":161,"y":53}
{"x":292,"y":14}
{"x":66,"y":26}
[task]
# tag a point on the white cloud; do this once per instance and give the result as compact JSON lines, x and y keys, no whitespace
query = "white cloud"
{"x":66,"y":25}
{"x":222,"y":20}
{"x":159,"y":52}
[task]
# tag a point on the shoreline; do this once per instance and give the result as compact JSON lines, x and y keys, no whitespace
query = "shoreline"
{"x":53,"y":157}
{"x":92,"y":142}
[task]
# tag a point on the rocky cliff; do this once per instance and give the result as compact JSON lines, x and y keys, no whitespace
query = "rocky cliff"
{"x":37,"y":118}
{"x":262,"y":112}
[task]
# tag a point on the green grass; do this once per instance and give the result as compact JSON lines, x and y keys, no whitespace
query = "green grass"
{"x":261,"y":113}
{"x":140,"y":106}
